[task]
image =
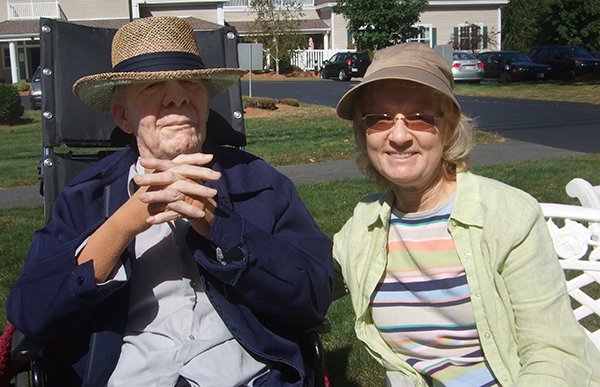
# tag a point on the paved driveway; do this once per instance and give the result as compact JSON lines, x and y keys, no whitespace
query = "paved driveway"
{"x":566,"y":125}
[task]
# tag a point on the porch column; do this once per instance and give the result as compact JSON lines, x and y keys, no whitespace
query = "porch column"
{"x":135,"y":9}
{"x":14,"y":62}
{"x":499,"y":28}
{"x":326,"y":41}
{"x":220,"y":14}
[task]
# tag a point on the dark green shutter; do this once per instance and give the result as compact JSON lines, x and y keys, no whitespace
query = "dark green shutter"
{"x":456,"y":44}
{"x":433,"y":37}
{"x":485,"y":37}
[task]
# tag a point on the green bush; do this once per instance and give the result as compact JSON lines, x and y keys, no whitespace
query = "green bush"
{"x":289,"y":101}
{"x":10,"y":104}
{"x":260,"y":102}
{"x":21,"y":86}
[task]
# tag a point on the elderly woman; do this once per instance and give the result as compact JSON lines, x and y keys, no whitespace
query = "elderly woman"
{"x":453,"y":276}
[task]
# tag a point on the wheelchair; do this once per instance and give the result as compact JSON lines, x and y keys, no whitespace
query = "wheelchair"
{"x":74,"y":137}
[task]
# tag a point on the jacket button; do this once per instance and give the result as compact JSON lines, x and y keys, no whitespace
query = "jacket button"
{"x":80,"y":280}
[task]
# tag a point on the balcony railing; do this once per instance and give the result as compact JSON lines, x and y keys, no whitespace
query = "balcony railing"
{"x":30,"y":9}
{"x":244,"y":3}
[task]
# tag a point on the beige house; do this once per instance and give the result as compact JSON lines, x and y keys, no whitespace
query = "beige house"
{"x":442,"y":21}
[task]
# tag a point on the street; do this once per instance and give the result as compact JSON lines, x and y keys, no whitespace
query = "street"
{"x":565,"y":125}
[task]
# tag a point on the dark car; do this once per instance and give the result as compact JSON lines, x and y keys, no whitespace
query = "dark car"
{"x":510,"y":66}
{"x":346,"y":65}
{"x":35,"y":90}
{"x":566,"y":62}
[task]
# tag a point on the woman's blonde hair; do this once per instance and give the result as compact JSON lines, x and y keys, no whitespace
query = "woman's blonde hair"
{"x":457,"y":135}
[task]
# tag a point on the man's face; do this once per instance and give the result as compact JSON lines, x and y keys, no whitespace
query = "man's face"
{"x":168,"y":118}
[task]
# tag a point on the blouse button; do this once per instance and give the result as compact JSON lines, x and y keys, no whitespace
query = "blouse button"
{"x":80,"y":280}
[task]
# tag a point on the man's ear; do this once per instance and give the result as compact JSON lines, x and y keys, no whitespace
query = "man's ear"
{"x":118,"y":112}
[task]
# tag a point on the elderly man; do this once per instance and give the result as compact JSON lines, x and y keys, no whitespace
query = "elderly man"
{"x":174,"y":261}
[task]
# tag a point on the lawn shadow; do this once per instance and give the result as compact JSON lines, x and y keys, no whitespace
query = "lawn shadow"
{"x":338,"y":375}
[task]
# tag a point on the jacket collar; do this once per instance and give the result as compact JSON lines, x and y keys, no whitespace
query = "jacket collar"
{"x":467,"y":207}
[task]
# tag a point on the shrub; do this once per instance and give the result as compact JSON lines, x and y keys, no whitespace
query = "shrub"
{"x":21,"y":86}
{"x":289,"y":101}
{"x":10,"y":104}
{"x":260,"y":103}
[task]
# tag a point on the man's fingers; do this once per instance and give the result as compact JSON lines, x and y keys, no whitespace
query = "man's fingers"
{"x":178,"y":192}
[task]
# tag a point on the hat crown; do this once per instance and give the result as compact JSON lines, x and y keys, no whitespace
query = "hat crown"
{"x":416,"y":55}
{"x":151,"y":35}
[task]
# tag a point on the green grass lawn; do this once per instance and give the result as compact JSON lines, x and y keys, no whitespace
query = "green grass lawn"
{"x":331,"y":204}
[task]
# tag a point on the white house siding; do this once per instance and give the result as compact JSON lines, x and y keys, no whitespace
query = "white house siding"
{"x":239,"y":14}
{"x":206,"y":12}
{"x":445,"y":20}
{"x":94,"y":9}
{"x":339,"y":38}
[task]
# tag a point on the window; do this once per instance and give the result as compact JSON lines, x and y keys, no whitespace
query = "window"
{"x":470,"y":36}
{"x":426,"y":32}
{"x":6,"y":58}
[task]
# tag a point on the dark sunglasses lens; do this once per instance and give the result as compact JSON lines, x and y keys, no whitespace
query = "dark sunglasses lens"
{"x":420,"y":122}
{"x":378,"y":122}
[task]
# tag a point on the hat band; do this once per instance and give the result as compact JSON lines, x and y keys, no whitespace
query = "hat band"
{"x":161,"y":61}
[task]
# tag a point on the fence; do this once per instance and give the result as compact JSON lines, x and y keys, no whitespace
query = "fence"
{"x":312,"y":59}
{"x":30,"y":9}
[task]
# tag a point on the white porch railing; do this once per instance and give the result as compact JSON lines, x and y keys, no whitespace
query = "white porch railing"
{"x":31,"y":9}
{"x":244,"y":3}
{"x":312,"y":59}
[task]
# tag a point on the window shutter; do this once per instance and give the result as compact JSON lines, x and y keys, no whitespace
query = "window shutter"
{"x":485,"y":37}
{"x":433,"y":37}
{"x":456,"y":44}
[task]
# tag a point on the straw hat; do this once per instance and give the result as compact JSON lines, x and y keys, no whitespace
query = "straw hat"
{"x":413,"y":62}
{"x":152,"y":49}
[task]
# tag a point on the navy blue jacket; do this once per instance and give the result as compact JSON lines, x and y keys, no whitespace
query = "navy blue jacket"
{"x":277,"y":280}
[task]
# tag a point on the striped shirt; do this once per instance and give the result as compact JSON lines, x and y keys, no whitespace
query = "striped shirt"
{"x":422,"y":306}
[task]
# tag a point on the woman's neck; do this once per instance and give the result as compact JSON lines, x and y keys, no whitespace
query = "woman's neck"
{"x":411,"y":199}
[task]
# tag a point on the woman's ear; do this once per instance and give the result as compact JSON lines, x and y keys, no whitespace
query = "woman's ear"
{"x":118,"y":113}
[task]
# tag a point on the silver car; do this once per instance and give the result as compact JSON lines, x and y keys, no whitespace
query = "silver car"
{"x":466,"y":67}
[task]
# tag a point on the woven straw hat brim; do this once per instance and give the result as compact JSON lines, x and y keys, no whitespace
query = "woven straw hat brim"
{"x":97,"y":90}
{"x":345,"y":106}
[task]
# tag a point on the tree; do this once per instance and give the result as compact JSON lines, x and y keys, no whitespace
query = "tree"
{"x":376,"y":24}
{"x":276,"y":27}
{"x":527,"y":23}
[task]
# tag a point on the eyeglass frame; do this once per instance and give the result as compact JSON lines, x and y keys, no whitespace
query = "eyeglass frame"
{"x":406,"y":119}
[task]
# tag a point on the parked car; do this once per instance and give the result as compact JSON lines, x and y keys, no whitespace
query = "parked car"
{"x":566,"y":62}
{"x":346,"y":65}
{"x":595,"y":54}
{"x":35,"y":90}
{"x":510,"y":66}
{"x":466,"y":67}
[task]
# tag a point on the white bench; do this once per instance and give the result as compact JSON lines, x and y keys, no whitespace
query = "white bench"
{"x":575,"y":231}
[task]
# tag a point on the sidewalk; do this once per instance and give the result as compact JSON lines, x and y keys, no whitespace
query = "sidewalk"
{"x":507,"y":152}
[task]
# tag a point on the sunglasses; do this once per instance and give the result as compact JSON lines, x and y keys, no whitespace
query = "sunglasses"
{"x":417,"y":121}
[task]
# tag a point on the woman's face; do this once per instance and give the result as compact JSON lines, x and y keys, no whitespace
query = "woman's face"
{"x":410,"y":159}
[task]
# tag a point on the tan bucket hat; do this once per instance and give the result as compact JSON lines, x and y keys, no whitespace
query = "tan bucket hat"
{"x":152,"y":49}
{"x":415,"y":62}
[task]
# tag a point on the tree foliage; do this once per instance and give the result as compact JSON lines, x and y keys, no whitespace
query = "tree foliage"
{"x":526,"y":23}
{"x":276,"y":27}
{"x":380,"y":23}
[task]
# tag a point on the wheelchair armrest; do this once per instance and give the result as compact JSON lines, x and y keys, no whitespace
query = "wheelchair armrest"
{"x":25,"y":349}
